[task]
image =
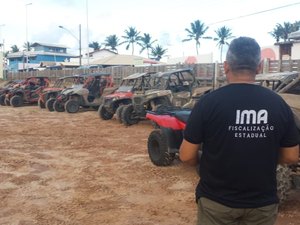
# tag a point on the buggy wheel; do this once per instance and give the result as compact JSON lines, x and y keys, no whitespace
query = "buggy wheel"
{"x":284,"y":183}
{"x":49,"y":104}
{"x":128,"y":116}
{"x":41,"y":104}
{"x":7,"y":102}
{"x":16,"y":101}
{"x":72,"y":106}
{"x":58,"y":106}
{"x":119,"y":113}
{"x":104,"y":114}
{"x":2,"y":99}
{"x":158,"y":149}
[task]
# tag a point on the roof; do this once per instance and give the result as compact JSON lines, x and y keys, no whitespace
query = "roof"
{"x":96,"y":74}
{"x":116,"y":60}
{"x":71,"y":76}
{"x":275,"y":76}
{"x":35,"y":53}
{"x":38,"y":76}
{"x":103,"y":50}
{"x":294,"y":35}
{"x":136,"y":75}
{"x":47,"y":45}
{"x":176,"y":71}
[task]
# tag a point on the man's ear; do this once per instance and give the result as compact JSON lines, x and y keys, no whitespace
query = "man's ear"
{"x":226,"y":67}
{"x":260,"y":67}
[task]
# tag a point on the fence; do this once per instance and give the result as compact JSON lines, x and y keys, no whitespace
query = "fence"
{"x":207,"y":72}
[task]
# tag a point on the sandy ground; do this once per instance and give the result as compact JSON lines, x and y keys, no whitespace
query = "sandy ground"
{"x":60,"y":168}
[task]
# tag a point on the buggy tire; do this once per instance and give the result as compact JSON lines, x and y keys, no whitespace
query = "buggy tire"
{"x":58,"y":106}
{"x":119,"y":113}
{"x":158,"y":149}
{"x":2,"y":99}
{"x":72,"y":106}
{"x":104,"y":114}
{"x":16,"y":101}
{"x":284,"y":182}
{"x":128,"y":116}
{"x":41,"y":104}
{"x":7,"y":102}
{"x":49,"y":104}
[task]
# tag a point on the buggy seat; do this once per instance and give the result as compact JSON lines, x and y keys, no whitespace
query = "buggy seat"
{"x":182,"y":115}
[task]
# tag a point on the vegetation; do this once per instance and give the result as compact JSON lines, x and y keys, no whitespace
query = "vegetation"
{"x":157,"y":52}
{"x":112,"y":41}
{"x":95,"y":45}
{"x":146,"y":43}
{"x":281,"y":31}
{"x":196,"y":32}
{"x":27,"y":46}
{"x":14,"y":48}
{"x":224,"y":34}
{"x":131,"y":38}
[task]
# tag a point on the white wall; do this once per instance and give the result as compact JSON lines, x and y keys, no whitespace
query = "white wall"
{"x":1,"y":65}
{"x":102,"y":54}
{"x":296,"y":51}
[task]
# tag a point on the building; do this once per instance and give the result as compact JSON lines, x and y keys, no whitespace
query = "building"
{"x":41,"y":55}
{"x":101,"y":53}
{"x":289,"y":49}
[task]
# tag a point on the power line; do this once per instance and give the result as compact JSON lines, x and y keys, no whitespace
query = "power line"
{"x":252,"y":14}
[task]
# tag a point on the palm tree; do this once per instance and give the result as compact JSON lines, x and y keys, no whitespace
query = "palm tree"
{"x":112,"y":41}
{"x":146,"y":43}
{"x":157,"y":52}
{"x":14,"y":48}
{"x":196,"y":32}
{"x":5,"y":54}
{"x":283,"y":31}
{"x":296,"y":26}
{"x":132,"y":37}
{"x":27,"y":46}
{"x":276,"y":33}
{"x":224,"y":34}
{"x":95,"y":45}
{"x":286,"y":28}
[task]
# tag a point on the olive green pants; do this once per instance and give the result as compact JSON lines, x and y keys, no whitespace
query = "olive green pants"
{"x":213,"y":213}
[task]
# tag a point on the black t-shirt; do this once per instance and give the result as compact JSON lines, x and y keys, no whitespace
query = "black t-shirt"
{"x":241,"y":128}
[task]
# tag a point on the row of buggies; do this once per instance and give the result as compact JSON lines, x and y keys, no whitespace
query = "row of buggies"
{"x":137,"y":93}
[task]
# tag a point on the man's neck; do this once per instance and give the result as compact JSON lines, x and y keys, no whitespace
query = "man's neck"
{"x":241,"y":81}
{"x":241,"y":78}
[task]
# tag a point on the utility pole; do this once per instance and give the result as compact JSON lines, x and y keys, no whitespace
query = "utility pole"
{"x":27,"y":47}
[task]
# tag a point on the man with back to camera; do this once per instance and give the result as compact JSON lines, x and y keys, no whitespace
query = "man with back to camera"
{"x":244,"y":130}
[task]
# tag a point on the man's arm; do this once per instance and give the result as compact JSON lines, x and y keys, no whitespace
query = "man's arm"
{"x":188,"y":152}
{"x":288,"y":155}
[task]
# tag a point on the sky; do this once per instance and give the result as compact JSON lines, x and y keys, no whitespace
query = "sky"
{"x":164,"y":20}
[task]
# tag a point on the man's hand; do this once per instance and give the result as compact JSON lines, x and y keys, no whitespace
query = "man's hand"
{"x":188,"y":153}
{"x":289,"y":155}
